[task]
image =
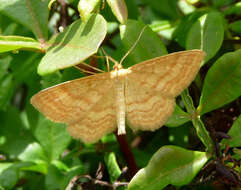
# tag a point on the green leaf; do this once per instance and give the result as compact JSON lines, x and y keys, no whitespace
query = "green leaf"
{"x":86,"y":7}
{"x":206,"y":34}
{"x":15,"y":138}
{"x":24,"y":66}
{"x":6,"y":87}
{"x":149,"y":45}
{"x":53,"y":137}
{"x":178,"y":118}
{"x":119,"y":9}
{"x":235,"y":134}
{"x":33,"y":153}
{"x":181,"y":31}
{"x":222,"y":82}
{"x":236,"y":26}
{"x":233,"y":9}
{"x":112,"y":166}
{"x":169,"y":165}
{"x":33,"y":14}
{"x":40,"y":167}
{"x":9,"y":43}
{"x":78,"y":42}
{"x":167,"y":9}
{"x":10,"y":176}
{"x":54,"y":178}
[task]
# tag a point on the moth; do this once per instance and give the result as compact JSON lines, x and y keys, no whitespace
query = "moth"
{"x":142,"y":95}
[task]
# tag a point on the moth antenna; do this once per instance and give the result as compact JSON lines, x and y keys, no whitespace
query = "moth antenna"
{"x":133,"y":46}
{"x":107,"y":59}
{"x":110,"y":58}
{"x":84,"y":71}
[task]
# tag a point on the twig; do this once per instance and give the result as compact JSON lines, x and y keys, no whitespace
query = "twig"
{"x":114,"y":186}
{"x":64,"y":17}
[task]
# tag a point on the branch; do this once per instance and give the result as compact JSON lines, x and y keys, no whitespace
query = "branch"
{"x":125,"y":148}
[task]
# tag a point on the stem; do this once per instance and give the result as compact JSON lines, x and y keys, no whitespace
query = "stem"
{"x":197,"y":122}
{"x":125,"y":148}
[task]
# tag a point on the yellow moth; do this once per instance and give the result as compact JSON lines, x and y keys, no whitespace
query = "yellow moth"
{"x":142,"y":95}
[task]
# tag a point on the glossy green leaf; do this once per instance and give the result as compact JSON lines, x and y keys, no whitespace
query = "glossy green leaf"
{"x":233,"y":9}
{"x":235,"y":134}
{"x":9,"y":43}
{"x":222,"y":82}
{"x":75,"y":44}
{"x":10,"y":176}
{"x":181,"y":30}
{"x":119,"y":9}
{"x":24,"y":67}
{"x":86,"y":7}
{"x":163,"y":28}
{"x":206,"y":34}
{"x":54,"y":178}
{"x":169,"y":165}
{"x":168,"y":9}
{"x":221,"y":3}
{"x":178,"y":118}
{"x":53,"y":137}
{"x":33,"y":153}
{"x":112,"y":166}
{"x":14,"y":136}
{"x":236,"y":26}
{"x":6,"y":86}
{"x":40,"y":167}
{"x":149,"y":45}
{"x":33,"y":14}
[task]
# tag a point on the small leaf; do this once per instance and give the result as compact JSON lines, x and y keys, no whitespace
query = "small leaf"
{"x":178,"y":118}
{"x":206,"y":34}
{"x":235,"y":134}
{"x":9,"y":43}
{"x":119,"y":9}
{"x":222,"y":82}
{"x":169,"y":165}
{"x":236,"y":26}
{"x":33,"y":153}
{"x":233,"y":9}
{"x":40,"y":167}
{"x":53,"y":137}
{"x":86,"y":7}
{"x":78,"y":42}
{"x":112,"y":166}
{"x":31,"y":13}
{"x":149,"y":45}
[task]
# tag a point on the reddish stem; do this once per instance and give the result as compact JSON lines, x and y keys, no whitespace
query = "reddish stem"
{"x":125,"y":148}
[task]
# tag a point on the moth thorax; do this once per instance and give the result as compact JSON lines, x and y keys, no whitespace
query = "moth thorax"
{"x":120,"y":72}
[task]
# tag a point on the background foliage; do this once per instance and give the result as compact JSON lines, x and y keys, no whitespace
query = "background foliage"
{"x":189,"y":152}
